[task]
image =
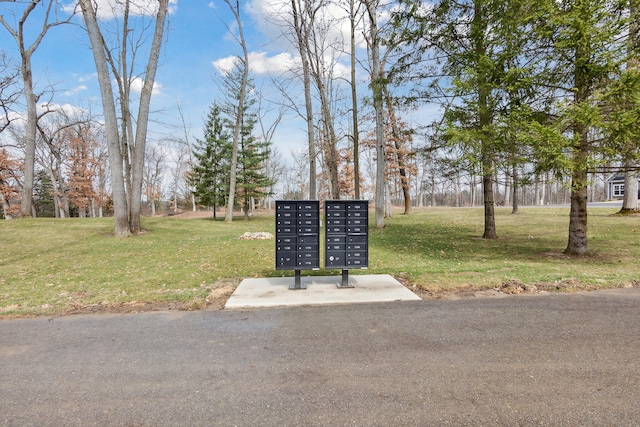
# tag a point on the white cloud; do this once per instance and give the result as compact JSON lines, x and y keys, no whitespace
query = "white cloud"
{"x":87,"y":77}
{"x":273,"y":17}
{"x":108,"y":9}
{"x":69,"y":110}
{"x":19,"y":119}
{"x":224,"y":65}
{"x":137,"y":83}
{"x":74,"y":91}
{"x":260,"y":63}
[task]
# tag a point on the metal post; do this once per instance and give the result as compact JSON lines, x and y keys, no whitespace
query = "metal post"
{"x":345,"y":280}
{"x":298,"y":283}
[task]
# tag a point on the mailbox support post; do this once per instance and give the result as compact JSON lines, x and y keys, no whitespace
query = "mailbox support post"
{"x":345,"y":280}
{"x":298,"y":283}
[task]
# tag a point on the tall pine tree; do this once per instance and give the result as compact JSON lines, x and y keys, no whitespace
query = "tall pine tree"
{"x":252,"y":182}
{"x":585,"y":50}
{"x":210,"y":176}
{"x":469,"y":55}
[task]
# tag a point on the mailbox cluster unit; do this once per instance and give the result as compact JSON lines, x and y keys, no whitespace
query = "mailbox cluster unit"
{"x":298,"y":236}
{"x":346,"y":234}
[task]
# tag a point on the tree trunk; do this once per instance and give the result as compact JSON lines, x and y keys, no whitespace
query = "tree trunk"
{"x":376,"y":88}
{"x":301,"y":29}
{"x":630,"y":200}
{"x":514,"y":209}
{"x":577,"y":242}
{"x":143,"y":118}
{"x":478,"y":29}
{"x":400,"y":153}
{"x":30,"y":138}
{"x":111,"y":123}
{"x":489,"y":203}
{"x":388,"y":208}
{"x":239,"y":118}
{"x":5,"y":207}
{"x":354,"y":104}
{"x":507,"y":189}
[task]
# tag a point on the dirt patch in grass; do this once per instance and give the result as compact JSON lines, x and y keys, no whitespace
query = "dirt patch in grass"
{"x":220,"y":292}
{"x":511,"y":287}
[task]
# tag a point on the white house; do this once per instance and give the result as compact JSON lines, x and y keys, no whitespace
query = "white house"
{"x":615,"y":186}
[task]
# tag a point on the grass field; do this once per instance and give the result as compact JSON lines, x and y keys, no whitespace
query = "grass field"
{"x":53,"y":266}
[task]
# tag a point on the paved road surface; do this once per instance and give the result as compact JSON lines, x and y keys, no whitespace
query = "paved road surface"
{"x":530,"y":360}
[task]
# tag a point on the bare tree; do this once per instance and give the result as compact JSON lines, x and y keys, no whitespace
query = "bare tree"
{"x":189,"y":155}
{"x":244,"y":64}
{"x":353,"y":11}
{"x":179,"y":184}
{"x":377,"y":90}
{"x":52,"y":154}
{"x":123,"y":144}
{"x":153,"y":174}
{"x":273,"y":163}
{"x":70,"y":150}
{"x":26,"y":53}
{"x":9,"y":92}
{"x":9,"y":182}
{"x":401,"y":138}
{"x":303,"y":19}
{"x":321,"y":55}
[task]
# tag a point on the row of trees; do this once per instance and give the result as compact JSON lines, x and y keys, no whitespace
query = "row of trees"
{"x":125,"y":121}
{"x":526,"y":90}
{"x":546,"y":85}
{"x":540,"y":91}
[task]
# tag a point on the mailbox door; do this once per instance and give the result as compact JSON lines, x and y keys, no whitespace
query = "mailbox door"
{"x":346,"y":234}
{"x":297,"y":234}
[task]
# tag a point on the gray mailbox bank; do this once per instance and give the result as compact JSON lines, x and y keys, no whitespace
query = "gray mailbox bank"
{"x":346,"y":236}
{"x":298,"y":236}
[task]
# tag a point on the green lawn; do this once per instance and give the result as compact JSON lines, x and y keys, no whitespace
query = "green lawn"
{"x":51,"y":266}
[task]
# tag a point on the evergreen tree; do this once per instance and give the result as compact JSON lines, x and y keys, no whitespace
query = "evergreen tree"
{"x":43,"y":195}
{"x":252,"y":181}
{"x":585,"y":50}
{"x":210,"y":176}
{"x":472,"y":55}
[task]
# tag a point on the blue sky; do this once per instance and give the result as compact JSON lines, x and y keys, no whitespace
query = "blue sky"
{"x":198,"y":35}
{"x":197,"y":38}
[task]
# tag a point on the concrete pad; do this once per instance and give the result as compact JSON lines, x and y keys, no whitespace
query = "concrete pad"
{"x":275,"y":292}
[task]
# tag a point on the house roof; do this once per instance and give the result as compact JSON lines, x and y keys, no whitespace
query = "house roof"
{"x":619,"y":177}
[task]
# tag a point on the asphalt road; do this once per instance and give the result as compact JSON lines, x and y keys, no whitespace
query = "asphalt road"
{"x":528,"y":360}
